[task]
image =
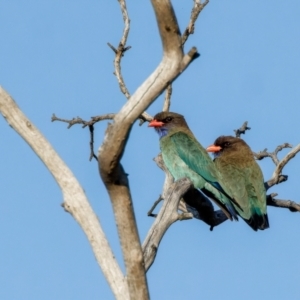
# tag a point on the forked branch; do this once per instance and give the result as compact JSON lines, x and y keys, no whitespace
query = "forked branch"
{"x":119,"y":53}
{"x":277,"y":177}
{"x":273,"y":155}
{"x":121,"y":49}
{"x":242,"y":129}
{"x":82,"y":122}
{"x":90,"y":124}
{"x":197,"y":8}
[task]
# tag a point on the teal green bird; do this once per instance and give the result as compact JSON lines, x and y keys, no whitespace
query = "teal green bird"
{"x":185,"y":157}
{"x":242,"y":179}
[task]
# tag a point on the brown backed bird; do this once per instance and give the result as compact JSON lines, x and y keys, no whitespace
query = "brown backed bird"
{"x":242,"y":179}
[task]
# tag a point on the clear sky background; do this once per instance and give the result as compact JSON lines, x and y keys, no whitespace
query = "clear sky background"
{"x":54,"y":58}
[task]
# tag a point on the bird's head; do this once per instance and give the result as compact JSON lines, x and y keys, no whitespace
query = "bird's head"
{"x":164,"y":122}
{"x":228,"y":144}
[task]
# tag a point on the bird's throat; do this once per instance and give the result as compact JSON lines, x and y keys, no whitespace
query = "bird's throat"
{"x":161,"y":131}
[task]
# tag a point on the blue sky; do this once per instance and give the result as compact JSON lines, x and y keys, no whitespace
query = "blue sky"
{"x":54,"y":58}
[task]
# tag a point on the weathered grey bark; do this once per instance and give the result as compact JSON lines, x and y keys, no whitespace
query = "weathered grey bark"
{"x":166,"y":217}
{"x":75,"y":201}
{"x":280,"y":165}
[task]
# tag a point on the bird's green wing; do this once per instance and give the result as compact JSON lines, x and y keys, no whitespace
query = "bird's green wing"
{"x":235,"y":185}
{"x":197,"y":159}
{"x":256,"y":189}
{"x":194,"y":155}
{"x":244,"y":184}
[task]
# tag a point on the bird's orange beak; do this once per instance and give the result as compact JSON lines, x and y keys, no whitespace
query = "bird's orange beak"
{"x":213,"y":148}
{"x":155,"y":123}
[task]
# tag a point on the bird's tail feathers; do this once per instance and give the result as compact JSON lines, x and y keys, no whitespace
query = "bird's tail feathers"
{"x":228,"y":209}
{"x":232,"y":211}
{"x":258,"y":221}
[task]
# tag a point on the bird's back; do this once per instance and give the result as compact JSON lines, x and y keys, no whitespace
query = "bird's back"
{"x":243,"y":181}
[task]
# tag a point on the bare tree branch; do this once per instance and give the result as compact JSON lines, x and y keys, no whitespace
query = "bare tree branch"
{"x":119,"y":54}
{"x":197,"y":8}
{"x":92,"y":153}
{"x":173,"y":63}
{"x":167,"y":101}
{"x":273,"y":155}
{"x":242,"y":129}
{"x":279,"y":167}
{"x":75,"y":201}
{"x":78,"y":120}
{"x":90,"y":124}
{"x":121,"y":49}
{"x":291,"y":205}
{"x":277,"y":176}
{"x":166,"y":217}
{"x":150,"y":212}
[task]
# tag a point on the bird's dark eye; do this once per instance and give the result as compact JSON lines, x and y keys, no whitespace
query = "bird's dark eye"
{"x":168,"y":119}
{"x":226,"y":144}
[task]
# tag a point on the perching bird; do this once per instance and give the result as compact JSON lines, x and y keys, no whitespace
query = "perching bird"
{"x":242,"y":179}
{"x":185,"y":157}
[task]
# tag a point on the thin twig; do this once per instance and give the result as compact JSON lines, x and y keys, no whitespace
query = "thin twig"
{"x":242,"y":129}
{"x":119,"y":53}
{"x":167,"y":101}
{"x":144,"y":117}
{"x":197,"y":8}
{"x":90,"y":124}
{"x":78,"y":120}
{"x":150,"y":212}
{"x":121,"y":49}
{"x":273,"y":155}
{"x":277,"y":176}
{"x":92,"y":155}
{"x":279,"y":167}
